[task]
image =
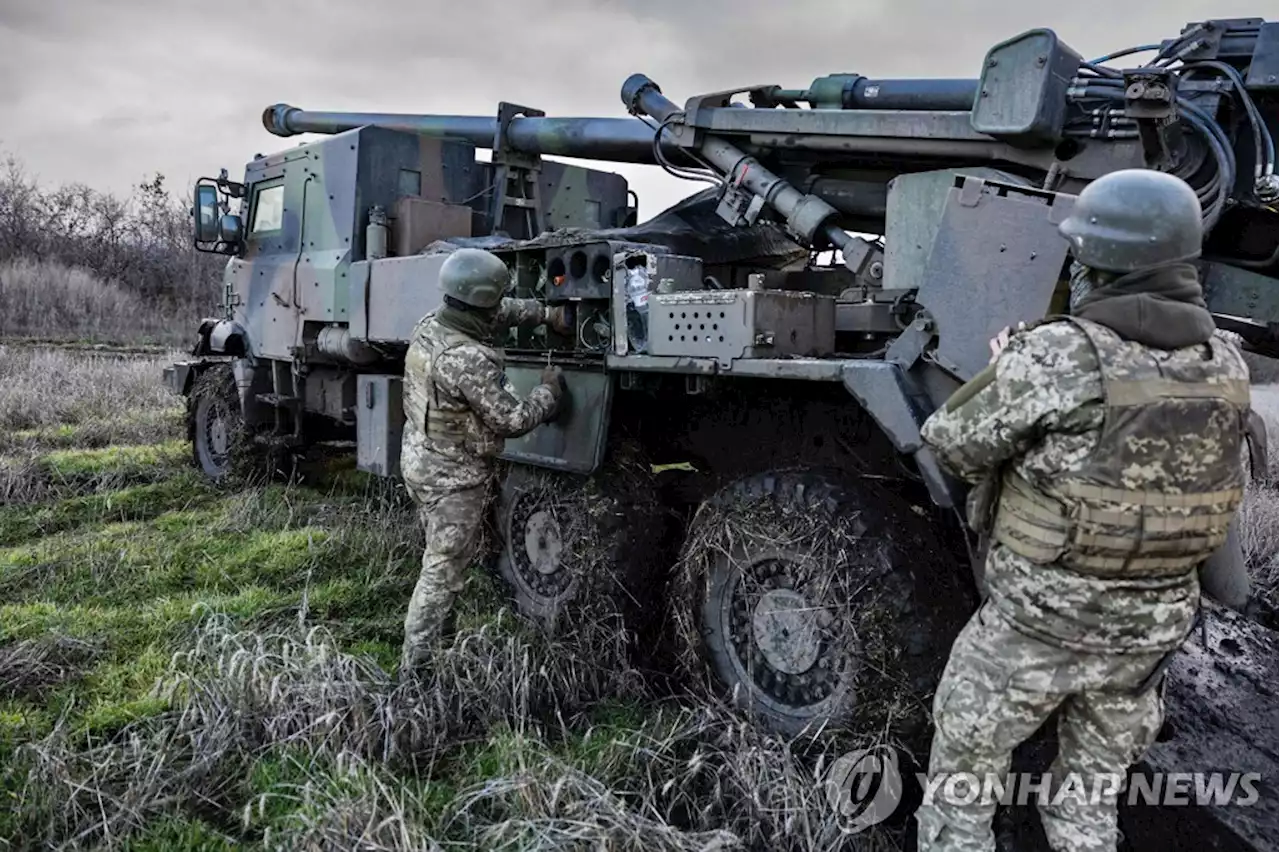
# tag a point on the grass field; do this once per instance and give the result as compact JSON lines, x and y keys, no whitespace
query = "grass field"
{"x":188,"y":667}
{"x":184,"y":667}
{"x":48,"y":300}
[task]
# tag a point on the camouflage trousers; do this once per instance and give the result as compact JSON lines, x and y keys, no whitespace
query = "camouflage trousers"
{"x":998,"y":688}
{"x":454,"y":525}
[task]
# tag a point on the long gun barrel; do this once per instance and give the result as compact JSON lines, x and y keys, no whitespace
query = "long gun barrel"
{"x":624,"y":139}
{"x":621,"y":139}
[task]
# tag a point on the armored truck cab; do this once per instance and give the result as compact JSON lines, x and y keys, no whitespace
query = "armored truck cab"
{"x":324,"y":282}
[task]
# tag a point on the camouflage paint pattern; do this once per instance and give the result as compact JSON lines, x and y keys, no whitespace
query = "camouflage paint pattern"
{"x":300,"y":272}
{"x":459,"y":408}
{"x":1040,"y":415}
{"x":999,"y":686}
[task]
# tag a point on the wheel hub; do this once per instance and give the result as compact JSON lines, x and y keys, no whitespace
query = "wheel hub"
{"x":542,"y":542}
{"x":213,"y":436}
{"x":786,"y":631}
{"x":539,"y":565}
{"x":218,"y":435}
{"x":782,"y":639}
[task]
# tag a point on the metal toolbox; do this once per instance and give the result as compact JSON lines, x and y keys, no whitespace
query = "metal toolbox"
{"x":731,"y":324}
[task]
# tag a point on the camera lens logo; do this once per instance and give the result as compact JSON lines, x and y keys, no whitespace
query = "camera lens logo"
{"x":864,"y":787}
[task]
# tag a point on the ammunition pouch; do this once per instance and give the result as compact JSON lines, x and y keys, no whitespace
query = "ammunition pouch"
{"x":980,"y":505}
{"x":448,"y":427}
{"x":1113,"y":532}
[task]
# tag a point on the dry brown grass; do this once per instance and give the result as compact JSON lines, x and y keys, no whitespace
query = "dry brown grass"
{"x":106,"y":398}
{"x":52,"y":398}
{"x":49,"y":300}
{"x":1260,"y":514}
{"x":32,"y":666}
{"x":501,"y":716}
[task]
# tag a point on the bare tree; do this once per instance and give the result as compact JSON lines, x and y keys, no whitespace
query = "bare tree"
{"x":140,"y":244}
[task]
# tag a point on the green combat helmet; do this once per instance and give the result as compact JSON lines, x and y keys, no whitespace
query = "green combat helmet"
{"x":1133,"y":219}
{"x":474,"y":277}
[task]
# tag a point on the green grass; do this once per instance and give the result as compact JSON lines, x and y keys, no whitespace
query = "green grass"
{"x":129,"y":550}
{"x":143,"y":460}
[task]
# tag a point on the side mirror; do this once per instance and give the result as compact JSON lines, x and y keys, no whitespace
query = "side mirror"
{"x":230,"y":230}
{"x":207,"y":213}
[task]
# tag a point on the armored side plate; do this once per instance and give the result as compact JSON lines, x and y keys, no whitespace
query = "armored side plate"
{"x":575,"y":440}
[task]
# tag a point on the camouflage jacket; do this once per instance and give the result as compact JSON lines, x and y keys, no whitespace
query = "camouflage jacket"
{"x":459,"y":406}
{"x":1039,"y":411}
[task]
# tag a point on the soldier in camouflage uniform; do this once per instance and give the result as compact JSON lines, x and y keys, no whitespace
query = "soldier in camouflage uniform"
{"x":1115,"y":436}
{"x":458,"y":409}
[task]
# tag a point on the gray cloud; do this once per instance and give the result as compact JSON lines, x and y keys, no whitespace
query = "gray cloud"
{"x":107,"y":93}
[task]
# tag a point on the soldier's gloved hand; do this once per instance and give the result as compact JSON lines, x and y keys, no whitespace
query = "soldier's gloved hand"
{"x":553,"y":377}
{"x":998,"y":343}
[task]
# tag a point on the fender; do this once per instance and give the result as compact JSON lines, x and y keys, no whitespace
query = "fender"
{"x":221,"y":337}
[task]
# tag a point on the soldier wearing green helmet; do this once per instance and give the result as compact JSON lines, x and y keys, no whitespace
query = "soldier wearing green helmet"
{"x":1115,"y":437}
{"x":459,"y":408}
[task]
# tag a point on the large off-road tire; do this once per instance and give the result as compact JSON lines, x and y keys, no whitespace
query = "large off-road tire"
{"x":819,"y":602}
{"x":581,"y":546}
{"x":222,"y":447}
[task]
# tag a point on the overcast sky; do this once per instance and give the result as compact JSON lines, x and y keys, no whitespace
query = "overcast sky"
{"x":107,"y":93}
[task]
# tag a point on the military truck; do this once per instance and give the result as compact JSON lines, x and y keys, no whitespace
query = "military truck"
{"x":760,"y":356}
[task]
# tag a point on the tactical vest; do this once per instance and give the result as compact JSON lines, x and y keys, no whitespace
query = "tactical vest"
{"x":1156,"y":495}
{"x":445,"y":421}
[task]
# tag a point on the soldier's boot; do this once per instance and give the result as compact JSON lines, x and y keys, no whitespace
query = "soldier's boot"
{"x":415,"y":664}
{"x":422,"y":648}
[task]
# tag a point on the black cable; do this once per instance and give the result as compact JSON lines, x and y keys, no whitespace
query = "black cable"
{"x":1101,"y":70}
{"x":1221,"y":153}
{"x":1261,"y":135}
{"x":1126,"y":52}
{"x":1211,"y":127}
{"x":1221,"y":147}
{"x":1168,"y":54}
{"x":682,"y":172}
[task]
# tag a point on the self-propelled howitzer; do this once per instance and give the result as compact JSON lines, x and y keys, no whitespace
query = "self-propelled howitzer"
{"x":858,"y":242}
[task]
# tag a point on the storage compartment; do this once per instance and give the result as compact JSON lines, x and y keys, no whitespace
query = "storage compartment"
{"x":418,"y":222}
{"x":379,"y":424}
{"x":731,"y":324}
{"x":1022,"y":93}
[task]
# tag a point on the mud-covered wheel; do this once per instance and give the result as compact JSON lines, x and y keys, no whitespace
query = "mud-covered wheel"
{"x":214,"y":423}
{"x":817,"y":603}
{"x":221,"y":445}
{"x":572,"y":544}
